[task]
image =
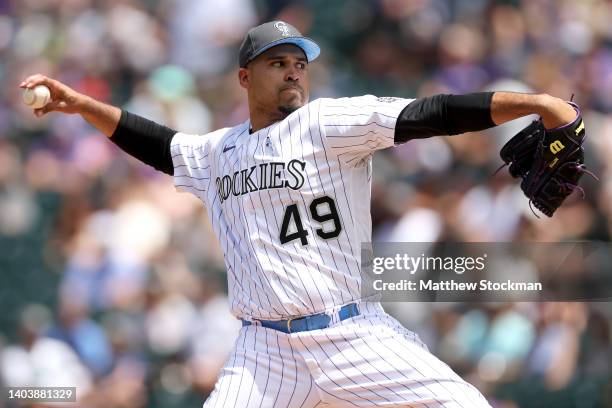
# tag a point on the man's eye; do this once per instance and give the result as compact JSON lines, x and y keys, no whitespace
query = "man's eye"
{"x":301,"y":65}
{"x":277,"y":64}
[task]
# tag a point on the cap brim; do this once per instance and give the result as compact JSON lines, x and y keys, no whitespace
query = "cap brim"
{"x":310,"y":48}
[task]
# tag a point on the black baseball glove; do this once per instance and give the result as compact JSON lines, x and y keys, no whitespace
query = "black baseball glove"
{"x":519,"y":152}
{"x":550,"y":162}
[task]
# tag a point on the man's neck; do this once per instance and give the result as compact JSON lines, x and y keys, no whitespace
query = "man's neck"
{"x":262,"y":116}
{"x":261,"y":122}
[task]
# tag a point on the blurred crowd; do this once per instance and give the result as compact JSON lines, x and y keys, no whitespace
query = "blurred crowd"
{"x":113,"y":282}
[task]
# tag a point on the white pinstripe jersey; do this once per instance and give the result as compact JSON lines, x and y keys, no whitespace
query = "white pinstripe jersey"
{"x":290,"y":203}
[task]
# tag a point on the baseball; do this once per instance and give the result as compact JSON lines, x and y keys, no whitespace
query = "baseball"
{"x":37,"y":97}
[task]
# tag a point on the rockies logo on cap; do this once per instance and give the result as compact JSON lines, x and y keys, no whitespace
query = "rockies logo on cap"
{"x":282,"y":27}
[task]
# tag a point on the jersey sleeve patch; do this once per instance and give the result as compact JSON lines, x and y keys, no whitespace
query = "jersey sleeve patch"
{"x":356,"y":127}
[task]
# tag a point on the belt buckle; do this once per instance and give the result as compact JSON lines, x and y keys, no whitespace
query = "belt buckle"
{"x":289,"y":323}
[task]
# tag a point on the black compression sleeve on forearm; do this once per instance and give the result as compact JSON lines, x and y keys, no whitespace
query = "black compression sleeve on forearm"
{"x":146,"y":140}
{"x":444,"y":115}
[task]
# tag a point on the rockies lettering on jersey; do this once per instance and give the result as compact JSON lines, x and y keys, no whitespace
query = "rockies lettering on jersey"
{"x":290,"y":203}
{"x":261,"y":177}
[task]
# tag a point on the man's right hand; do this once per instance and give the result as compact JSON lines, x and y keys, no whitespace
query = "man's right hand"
{"x":65,"y":99}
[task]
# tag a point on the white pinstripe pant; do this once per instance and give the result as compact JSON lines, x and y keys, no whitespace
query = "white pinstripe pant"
{"x":366,"y":361}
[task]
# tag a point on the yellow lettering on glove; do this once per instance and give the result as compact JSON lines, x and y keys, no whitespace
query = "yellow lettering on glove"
{"x":580,"y":127}
{"x":556,"y":147}
{"x":552,"y":164}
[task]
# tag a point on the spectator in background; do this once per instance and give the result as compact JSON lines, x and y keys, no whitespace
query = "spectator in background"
{"x":82,"y":334}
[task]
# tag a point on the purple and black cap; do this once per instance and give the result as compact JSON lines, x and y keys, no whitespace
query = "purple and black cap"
{"x":268,"y":35}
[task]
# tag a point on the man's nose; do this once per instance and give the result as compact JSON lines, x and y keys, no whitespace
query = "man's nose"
{"x":292,"y":75}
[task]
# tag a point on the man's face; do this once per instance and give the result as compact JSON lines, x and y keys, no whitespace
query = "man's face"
{"x":277,"y":80}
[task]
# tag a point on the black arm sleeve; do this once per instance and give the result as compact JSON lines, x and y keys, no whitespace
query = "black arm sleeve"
{"x":146,"y":140}
{"x":444,"y":115}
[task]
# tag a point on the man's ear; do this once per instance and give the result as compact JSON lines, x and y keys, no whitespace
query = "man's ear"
{"x":244,"y":77}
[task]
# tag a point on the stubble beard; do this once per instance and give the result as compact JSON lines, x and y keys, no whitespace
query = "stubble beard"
{"x":293,"y":104}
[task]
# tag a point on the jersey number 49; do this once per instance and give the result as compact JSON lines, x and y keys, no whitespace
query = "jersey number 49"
{"x":322,"y":210}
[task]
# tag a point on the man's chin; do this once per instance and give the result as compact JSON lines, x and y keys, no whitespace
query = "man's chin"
{"x":291,"y":103}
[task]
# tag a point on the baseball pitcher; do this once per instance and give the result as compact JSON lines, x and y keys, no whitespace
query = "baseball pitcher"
{"x":288,"y":195}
